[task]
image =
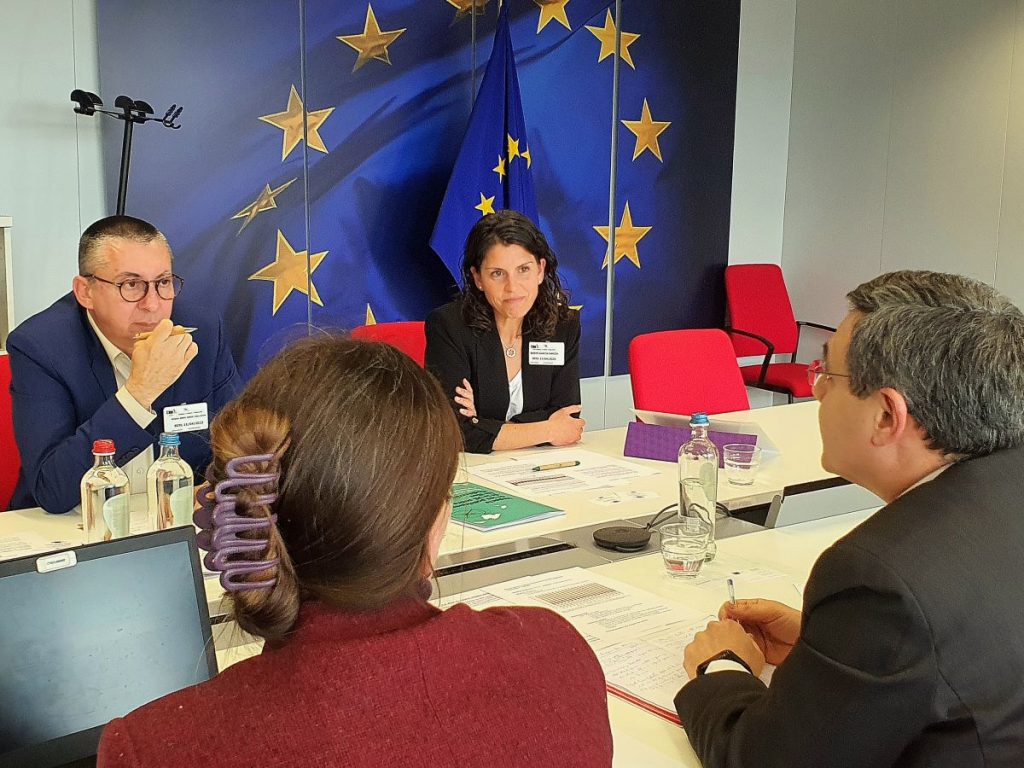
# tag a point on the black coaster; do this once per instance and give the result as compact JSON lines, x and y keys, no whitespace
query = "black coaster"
{"x":622,"y":538}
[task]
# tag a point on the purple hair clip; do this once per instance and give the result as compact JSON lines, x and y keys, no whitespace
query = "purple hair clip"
{"x":221,"y":526}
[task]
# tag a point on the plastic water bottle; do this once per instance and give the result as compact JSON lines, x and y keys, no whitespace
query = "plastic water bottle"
{"x":105,"y":511}
{"x":698,"y":478}
{"x":169,"y":486}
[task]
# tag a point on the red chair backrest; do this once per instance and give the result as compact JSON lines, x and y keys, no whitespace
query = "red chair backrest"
{"x":408,"y":336}
{"x":10,"y":460}
{"x":759,"y":302}
{"x":686,"y":371}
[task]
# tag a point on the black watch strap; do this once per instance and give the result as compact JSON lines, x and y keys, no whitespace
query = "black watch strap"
{"x":725,"y":655}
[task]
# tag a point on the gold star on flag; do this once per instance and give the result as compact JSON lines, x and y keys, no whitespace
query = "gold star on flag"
{"x":606,"y":35}
{"x":486,"y":205}
{"x":526,"y":155}
{"x":647,"y":132}
{"x":290,"y":121}
{"x":513,"y":148}
{"x":266,"y":200}
{"x":288,"y":273}
{"x":500,"y":168}
{"x":626,"y":238}
{"x":370,"y":319}
{"x":465,"y":7}
{"x":373,"y":42}
{"x":552,"y":10}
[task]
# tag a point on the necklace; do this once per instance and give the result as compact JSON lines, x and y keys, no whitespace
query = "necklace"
{"x":510,"y":348}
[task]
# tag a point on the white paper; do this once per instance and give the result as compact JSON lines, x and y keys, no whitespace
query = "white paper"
{"x":611,"y":498}
{"x":638,"y":637}
{"x":593,"y":471}
{"x":22,"y":544}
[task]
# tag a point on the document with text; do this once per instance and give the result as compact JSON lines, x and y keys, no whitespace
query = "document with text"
{"x":638,"y":637}
{"x":564,"y":471}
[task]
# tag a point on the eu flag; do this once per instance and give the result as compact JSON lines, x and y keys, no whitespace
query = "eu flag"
{"x":492,"y":170}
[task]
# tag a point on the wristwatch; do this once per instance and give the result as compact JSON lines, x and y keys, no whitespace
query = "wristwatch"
{"x":725,"y":655}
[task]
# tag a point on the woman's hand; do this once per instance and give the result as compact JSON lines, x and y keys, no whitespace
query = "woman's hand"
{"x":563,"y":429}
{"x":464,"y":397}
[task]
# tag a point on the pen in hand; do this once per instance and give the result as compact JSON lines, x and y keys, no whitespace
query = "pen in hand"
{"x":556,"y":465}
{"x":732,"y":591}
{"x":176,"y":331}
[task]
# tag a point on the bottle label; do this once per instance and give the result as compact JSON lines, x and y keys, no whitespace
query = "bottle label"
{"x":181,"y":505}
{"x":116,"y":515}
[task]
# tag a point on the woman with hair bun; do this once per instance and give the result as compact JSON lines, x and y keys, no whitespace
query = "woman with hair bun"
{"x":329,"y":493}
{"x":507,"y":350}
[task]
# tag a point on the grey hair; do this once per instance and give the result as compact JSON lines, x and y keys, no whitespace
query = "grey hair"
{"x":101,"y":232}
{"x":953,"y":347}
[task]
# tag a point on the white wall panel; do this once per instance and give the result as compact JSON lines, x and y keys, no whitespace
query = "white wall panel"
{"x":951,"y":86}
{"x":1010,"y":254}
{"x":763,"y":87}
{"x":839,"y":137}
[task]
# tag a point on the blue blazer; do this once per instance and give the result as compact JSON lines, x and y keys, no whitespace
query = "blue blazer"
{"x":62,"y":392}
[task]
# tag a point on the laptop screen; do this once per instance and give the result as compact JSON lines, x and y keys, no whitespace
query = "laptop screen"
{"x":114,"y":626}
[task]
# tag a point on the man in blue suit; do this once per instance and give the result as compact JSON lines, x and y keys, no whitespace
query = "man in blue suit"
{"x":78,"y":374}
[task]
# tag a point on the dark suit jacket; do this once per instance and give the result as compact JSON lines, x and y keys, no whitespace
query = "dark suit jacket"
{"x":62,"y":392}
{"x":912,"y":646}
{"x":401,"y":687}
{"x":456,"y":352}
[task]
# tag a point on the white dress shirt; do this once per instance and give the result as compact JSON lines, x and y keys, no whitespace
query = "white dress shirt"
{"x":515,"y":396}
{"x":137,"y":468}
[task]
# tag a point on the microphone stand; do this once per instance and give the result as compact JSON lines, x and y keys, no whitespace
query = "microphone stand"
{"x":131,"y":112}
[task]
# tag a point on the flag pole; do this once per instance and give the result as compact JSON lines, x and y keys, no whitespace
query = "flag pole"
{"x":612,"y":177}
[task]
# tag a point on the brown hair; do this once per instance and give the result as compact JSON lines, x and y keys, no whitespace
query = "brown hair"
{"x":512,"y":228}
{"x":367,"y":447}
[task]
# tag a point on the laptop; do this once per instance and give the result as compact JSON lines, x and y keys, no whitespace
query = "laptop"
{"x":91,"y":633}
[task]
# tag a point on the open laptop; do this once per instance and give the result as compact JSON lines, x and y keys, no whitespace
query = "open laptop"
{"x":91,"y":633}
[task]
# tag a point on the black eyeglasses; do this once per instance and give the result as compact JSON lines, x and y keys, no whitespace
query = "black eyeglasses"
{"x":817,"y":369}
{"x":134,"y":289}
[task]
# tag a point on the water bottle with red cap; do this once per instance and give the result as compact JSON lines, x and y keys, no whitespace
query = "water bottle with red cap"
{"x":105,"y":511}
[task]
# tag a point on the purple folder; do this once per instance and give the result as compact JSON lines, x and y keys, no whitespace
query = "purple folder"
{"x":654,"y":441}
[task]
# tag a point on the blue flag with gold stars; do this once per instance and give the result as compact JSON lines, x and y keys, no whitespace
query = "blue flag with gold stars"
{"x":492,"y":170}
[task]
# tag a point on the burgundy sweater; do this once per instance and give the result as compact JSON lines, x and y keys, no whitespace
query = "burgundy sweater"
{"x":407,"y":685}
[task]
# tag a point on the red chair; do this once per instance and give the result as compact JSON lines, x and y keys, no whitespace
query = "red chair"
{"x":686,"y":371}
{"x":10,"y":461}
{"x":761,"y":322}
{"x":407,"y":336}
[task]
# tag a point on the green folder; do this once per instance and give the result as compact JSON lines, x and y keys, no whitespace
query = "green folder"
{"x":485,"y":509}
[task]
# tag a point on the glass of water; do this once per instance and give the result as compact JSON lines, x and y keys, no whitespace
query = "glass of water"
{"x":741,"y":463}
{"x":684,"y":546}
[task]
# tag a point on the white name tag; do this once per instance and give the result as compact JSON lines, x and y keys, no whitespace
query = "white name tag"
{"x":188,"y":417}
{"x":547,"y":353}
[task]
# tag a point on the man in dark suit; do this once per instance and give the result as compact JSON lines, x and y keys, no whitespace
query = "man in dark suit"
{"x":909,"y":650}
{"x":78,"y":373}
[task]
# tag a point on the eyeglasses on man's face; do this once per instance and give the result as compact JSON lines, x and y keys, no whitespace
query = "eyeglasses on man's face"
{"x":134,"y":289}
{"x":816,"y":370}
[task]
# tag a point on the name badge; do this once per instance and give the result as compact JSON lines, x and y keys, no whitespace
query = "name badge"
{"x":547,"y":353}
{"x":187,"y":417}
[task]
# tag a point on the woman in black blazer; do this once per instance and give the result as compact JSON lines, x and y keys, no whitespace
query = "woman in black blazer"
{"x":507,"y":350}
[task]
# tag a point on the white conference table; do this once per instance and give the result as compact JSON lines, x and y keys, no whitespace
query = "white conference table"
{"x":792,"y":428}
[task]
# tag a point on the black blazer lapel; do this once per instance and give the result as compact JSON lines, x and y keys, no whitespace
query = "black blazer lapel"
{"x":492,"y":387}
